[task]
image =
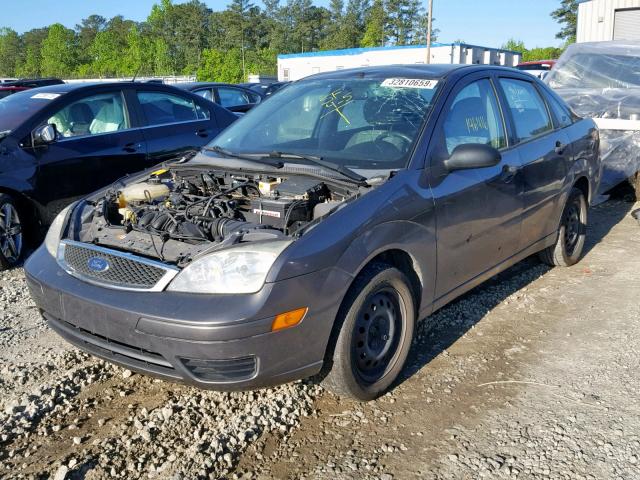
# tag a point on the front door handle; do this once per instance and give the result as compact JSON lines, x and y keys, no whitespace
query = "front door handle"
{"x":560,"y":148}
{"x":203,"y":132}
{"x":508,"y":173}
{"x":132,"y":147}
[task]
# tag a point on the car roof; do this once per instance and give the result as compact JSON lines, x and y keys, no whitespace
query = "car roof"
{"x":190,"y":85}
{"x":74,"y":87}
{"x":421,"y":71}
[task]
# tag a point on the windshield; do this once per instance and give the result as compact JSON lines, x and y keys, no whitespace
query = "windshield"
{"x":360,"y":123}
{"x":596,"y":70}
{"x":17,"y":108}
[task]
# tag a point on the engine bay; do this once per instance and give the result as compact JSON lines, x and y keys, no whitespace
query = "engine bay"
{"x":175,"y":215}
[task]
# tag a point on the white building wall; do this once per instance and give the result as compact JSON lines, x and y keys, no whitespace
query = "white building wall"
{"x":596,"y":18}
{"x":297,"y":66}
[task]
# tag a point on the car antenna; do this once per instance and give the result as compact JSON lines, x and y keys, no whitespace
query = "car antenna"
{"x":136,"y":74}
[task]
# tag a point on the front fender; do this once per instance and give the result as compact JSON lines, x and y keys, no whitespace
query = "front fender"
{"x":416,"y":240}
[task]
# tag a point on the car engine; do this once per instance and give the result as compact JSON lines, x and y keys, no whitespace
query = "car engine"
{"x":175,"y":215}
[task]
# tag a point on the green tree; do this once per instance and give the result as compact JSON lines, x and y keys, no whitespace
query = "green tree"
{"x":567,"y":16}
{"x":58,"y":52}
{"x":30,"y":64}
{"x":515,"y":46}
{"x":374,"y":34}
{"x":404,"y":21}
{"x":106,"y":52}
{"x":86,"y":32}
{"x":9,"y":52}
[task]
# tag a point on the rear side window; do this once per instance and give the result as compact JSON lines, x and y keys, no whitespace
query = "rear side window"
{"x":561,"y":112}
{"x":208,"y":94}
{"x":92,"y":115}
{"x":530,"y":115}
{"x":164,"y":108}
{"x":475,"y":117}
{"x":234,"y":97}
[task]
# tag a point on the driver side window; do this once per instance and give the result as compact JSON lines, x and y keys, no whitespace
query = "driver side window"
{"x":475,"y":117}
{"x":93,"y":115}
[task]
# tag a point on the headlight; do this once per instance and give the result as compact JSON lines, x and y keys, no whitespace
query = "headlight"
{"x":240,"y":269}
{"x":52,"y":240}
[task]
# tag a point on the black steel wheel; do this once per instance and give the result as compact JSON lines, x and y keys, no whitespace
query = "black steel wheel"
{"x":376,"y":325}
{"x":11,"y":233}
{"x":572,"y":233}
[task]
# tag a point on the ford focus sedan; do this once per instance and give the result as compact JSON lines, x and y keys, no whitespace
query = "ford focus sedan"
{"x":311,"y":235}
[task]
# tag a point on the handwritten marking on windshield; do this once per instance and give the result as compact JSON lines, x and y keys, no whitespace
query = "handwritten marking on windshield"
{"x":335,"y":101}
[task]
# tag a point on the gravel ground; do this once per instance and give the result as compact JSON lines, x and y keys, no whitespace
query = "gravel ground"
{"x":533,"y":375}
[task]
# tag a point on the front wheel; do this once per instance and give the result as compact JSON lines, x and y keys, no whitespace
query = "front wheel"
{"x":377,"y":323}
{"x":11,"y":237}
{"x":572,"y":233}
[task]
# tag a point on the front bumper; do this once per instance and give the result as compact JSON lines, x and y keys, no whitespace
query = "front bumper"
{"x":221,"y":342}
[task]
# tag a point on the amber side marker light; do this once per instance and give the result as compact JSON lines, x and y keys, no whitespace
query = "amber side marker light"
{"x":288,"y":319}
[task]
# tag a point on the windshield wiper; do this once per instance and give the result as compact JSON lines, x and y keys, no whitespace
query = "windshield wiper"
{"x":230,"y":154}
{"x":344,"y":171}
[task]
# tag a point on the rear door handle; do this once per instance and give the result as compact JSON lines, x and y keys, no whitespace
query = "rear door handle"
{"x":203,"y":132}
{"x":132,"y":147}
{"x":560,"y":148}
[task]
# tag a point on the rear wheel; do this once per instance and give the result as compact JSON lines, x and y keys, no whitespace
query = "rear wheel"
{"x":377,"y":322}
{"x":572,"y":233}
{"x":11,"y":235}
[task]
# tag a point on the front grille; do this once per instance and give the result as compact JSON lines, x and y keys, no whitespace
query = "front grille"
{"x":230,"y":370}
{"x":120,"y":270}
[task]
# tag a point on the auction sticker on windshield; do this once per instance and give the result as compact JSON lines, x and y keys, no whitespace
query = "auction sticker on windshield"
{"x":410,"y":83}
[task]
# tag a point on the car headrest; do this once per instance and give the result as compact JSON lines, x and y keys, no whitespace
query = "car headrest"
{"x":468,"y":118}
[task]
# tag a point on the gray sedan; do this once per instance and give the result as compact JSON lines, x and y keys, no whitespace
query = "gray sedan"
{"x":311,"y":235}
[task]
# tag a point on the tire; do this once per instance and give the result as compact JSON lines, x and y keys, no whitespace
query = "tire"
{"x":572,"y":233}
{"x":11,"y":234}
{"x":376,"y":324}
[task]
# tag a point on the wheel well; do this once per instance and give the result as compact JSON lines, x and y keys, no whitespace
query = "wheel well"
{"x":405,"y":263}
{"x":583,"y":185}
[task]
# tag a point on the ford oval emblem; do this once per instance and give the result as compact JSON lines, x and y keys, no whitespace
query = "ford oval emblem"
{"x":97,"y":264}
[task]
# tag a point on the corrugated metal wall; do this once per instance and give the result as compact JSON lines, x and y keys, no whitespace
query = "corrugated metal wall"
{"x":596,"y":19}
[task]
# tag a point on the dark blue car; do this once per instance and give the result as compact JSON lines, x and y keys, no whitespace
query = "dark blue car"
{"x":312,"y":234}
{"x":61,"y":142}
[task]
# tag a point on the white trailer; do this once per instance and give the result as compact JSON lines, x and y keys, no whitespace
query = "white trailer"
{"x":606,"y":20}
{"x":299,"y":65}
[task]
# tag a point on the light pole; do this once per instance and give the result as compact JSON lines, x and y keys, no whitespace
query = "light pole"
{"x":429,"y":30}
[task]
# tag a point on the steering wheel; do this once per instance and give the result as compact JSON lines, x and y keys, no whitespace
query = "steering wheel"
{"x":403,"y":137}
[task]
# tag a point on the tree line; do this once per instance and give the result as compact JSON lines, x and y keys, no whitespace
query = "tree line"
{"x":191,"y":39}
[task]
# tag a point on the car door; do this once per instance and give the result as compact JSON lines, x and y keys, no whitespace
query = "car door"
{"x":96,"y":144}
{"x":173,"y":123}
{"x":478,"y":211}
{"x":544,"y":152}
{"x":236,"y":99}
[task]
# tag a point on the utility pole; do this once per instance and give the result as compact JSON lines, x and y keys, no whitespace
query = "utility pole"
{"x":429,"y":30}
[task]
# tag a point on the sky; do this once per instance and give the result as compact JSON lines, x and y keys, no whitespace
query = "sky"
{"x":488,"y":23}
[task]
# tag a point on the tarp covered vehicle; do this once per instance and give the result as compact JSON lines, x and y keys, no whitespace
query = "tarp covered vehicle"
{"x":602,"y":81}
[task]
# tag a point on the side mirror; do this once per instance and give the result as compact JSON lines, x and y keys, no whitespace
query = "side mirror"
{"x":473,"y":155}
{"x":44,"y":135}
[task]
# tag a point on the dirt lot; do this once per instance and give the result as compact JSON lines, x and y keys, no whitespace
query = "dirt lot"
{"x":534,"y":375}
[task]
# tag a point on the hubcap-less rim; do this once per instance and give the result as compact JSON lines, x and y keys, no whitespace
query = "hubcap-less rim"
{"x":572,"y":227}
{"x":10,"y":233}
{"x":377,"y":333}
